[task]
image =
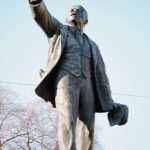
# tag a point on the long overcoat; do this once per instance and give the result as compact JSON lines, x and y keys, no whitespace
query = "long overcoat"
{"x":57,"y":41}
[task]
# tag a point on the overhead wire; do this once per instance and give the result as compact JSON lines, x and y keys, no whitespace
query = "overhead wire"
{"x":17,"y":83}
{"x":28,"y":84}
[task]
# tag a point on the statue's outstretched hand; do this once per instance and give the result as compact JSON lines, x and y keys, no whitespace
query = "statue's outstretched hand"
{"x":34,"y":2}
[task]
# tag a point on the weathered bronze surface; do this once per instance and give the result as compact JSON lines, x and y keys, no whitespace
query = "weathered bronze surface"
{"x":74,"y":81}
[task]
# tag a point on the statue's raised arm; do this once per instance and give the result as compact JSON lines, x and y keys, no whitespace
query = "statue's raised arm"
{"x":43,"y":18}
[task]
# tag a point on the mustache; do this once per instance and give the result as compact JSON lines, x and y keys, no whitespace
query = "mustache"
{"x":73,"y":14}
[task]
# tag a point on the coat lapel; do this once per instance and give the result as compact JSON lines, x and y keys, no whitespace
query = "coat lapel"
{"x":56,"y":48}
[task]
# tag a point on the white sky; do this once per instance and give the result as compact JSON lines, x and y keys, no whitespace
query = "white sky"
{"x":119,"y":27}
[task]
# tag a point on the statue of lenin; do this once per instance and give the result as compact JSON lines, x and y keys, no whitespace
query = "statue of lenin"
{"x":75,"y":80}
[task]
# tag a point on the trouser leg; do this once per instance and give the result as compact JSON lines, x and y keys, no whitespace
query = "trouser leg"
{"x":86,"y":117}
{"x":67,"y":97}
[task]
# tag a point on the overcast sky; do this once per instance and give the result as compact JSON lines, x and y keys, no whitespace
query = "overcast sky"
{"x":121,"y":28}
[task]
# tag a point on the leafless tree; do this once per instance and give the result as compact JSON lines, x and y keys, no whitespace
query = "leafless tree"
{"x":39,"y":127}
{"x":26,"y":128}
{"x":8,"y":116}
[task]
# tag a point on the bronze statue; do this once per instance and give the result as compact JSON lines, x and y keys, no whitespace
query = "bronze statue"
{"x":74,"y":81}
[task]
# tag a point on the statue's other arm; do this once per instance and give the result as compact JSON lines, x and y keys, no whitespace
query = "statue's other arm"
{"x":43,"y":17}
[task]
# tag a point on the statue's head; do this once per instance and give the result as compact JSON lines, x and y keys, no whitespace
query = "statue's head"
{"x":77,"y":16}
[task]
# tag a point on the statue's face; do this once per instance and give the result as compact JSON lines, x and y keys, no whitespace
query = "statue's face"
{"x":77,"y":16}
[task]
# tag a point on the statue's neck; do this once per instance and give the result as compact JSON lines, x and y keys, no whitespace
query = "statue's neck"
{"x":77,"y":27}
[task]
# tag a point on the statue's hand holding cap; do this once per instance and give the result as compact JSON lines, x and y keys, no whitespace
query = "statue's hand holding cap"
{"x":119,"y":115}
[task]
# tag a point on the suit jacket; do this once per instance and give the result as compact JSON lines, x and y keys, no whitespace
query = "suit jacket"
{"x":57,"y":41}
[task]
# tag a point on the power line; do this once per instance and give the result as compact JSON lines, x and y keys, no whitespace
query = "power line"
{"x":132,"y":95}
{"x":27,"y":84}
{"x":17,"y":83}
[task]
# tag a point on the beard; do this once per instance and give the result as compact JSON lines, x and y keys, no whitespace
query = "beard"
{"x":74,"y":22}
